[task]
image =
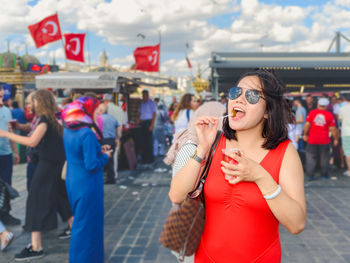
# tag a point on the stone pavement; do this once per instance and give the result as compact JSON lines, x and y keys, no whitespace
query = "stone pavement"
{"x":136,"y":207}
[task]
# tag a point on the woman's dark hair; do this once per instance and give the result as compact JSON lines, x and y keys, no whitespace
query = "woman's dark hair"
{"x":15,"y":104}
{"x":275,"y":128}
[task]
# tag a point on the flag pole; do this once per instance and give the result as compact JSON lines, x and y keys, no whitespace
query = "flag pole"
{"x":88,"y":47}
{"x":65,"y":56}
{"x":160,"y":41}
{"x":64,"y":51}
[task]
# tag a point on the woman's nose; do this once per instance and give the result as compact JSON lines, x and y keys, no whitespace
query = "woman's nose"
{"x":241,"y":98}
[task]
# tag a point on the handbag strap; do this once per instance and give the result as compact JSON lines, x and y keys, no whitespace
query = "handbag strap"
{"x":210,"y":156}
{"x":199,"y":188}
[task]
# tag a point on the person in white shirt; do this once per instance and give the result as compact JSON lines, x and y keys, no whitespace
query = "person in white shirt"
{"x":344,"y":117}
{"x":300,"y":117}
{"x":118,"y":114}
{"x":184,"y":112}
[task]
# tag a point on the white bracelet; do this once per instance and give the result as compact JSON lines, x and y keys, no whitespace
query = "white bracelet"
{"x":274,"y":194}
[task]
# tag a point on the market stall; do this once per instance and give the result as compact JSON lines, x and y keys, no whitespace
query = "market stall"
{"x":117,"y":82}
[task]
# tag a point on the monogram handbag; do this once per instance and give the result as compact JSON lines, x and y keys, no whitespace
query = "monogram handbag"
{"x":184,"y":224}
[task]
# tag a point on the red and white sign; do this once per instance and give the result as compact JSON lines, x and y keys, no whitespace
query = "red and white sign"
{"x":74,"y":46}
{"x":147,"y":58}
{"x":46,"y":31}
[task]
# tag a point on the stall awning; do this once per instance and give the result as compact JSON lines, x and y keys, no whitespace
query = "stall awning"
{"x":316,"y":71}
{"x":99,"y":80}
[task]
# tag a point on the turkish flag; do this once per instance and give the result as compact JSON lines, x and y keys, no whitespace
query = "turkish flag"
{"x":46,"y":31}
{"x":147,"y":58}
{"x":74,"y":46}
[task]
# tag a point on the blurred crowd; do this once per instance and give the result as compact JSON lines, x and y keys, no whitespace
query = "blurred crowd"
{"x":320,"y":132}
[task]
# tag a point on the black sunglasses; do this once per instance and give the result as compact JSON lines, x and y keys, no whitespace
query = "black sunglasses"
{"x":252,"y":95}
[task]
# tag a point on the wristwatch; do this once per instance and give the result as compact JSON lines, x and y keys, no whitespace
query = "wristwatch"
{"x":197,"y":158}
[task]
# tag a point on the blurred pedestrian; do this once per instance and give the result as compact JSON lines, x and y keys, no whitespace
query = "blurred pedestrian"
{"x":114,"y":110}
{"x":300,"y":117}
{"x":124,"y":107}
{"x":18,"y":113}
{"x":29,"y":108}
{"x":159,"y":133}
{"x":184,"y":112}
{"x":28,"y":128}
{"x":319,"y":123}
{"x":262,"y":186}
{"x":111,"y":131}
{"x":293,"y":134}
{"x":8,"y":103}
{"x":8,"y":155}
{"x":344,"y":117}
{"x":84,"y":181}
{"x":6,"y":237}
{"x":336,"y":156}
{"x":146,"y":118}
{"x":334,"y":105}
{"x":42,"y":200}
{"x":310,"y":103}
{"x":19,"y":117}
{"x":172,"y":106}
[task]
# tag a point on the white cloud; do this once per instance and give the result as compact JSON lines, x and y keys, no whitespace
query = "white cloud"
{"x":58,"y":53}
{"x":180,"y":66}
{"x":121,"y":62}
{"x":41,"y":54}
{"x":277,"y":28}
{"x":345,"y":3}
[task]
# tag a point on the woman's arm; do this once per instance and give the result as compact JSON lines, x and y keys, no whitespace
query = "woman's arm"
{"x":23,"y":127}
{"x":289,"y":207}
{"x":93,"y":158}
{"x":30,"y":141}
{"x":14,"y":148}
{"x":186,"y":179}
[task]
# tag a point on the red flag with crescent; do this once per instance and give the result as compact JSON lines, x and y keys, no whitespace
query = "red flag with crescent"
{"x":147,"y":58}
{"x":46,"y":31}
{"x":74,"y":46}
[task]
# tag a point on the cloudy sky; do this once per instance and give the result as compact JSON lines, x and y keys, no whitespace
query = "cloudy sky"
{"x":205,"y":25}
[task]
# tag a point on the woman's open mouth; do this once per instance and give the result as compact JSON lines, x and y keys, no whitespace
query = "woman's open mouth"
{"x":239,"y":113}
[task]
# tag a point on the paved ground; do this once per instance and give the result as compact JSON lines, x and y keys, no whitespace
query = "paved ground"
{"x":136,"y":207}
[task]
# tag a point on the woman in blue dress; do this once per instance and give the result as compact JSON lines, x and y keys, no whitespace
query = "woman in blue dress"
{"x":84,"y":181}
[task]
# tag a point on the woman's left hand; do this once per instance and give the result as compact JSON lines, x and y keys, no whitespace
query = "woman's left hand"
{"x":245,"y":170}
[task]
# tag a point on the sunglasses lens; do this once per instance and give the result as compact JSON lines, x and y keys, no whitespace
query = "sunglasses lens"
{"x":252,"y":96}
{"x":234,"y":93}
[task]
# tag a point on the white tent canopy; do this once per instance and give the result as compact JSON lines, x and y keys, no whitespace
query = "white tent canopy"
{"x":98,"y":80}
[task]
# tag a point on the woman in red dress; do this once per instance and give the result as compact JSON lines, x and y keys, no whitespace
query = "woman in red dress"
{"x":246,"y":200}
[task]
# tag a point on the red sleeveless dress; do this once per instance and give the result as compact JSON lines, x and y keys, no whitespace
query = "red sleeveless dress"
{"x":239,"y":225}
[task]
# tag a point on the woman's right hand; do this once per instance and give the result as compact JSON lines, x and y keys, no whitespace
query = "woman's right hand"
{"x":109,"y":153}
{"x":206,"y":129}
{"x":105,"y":148}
